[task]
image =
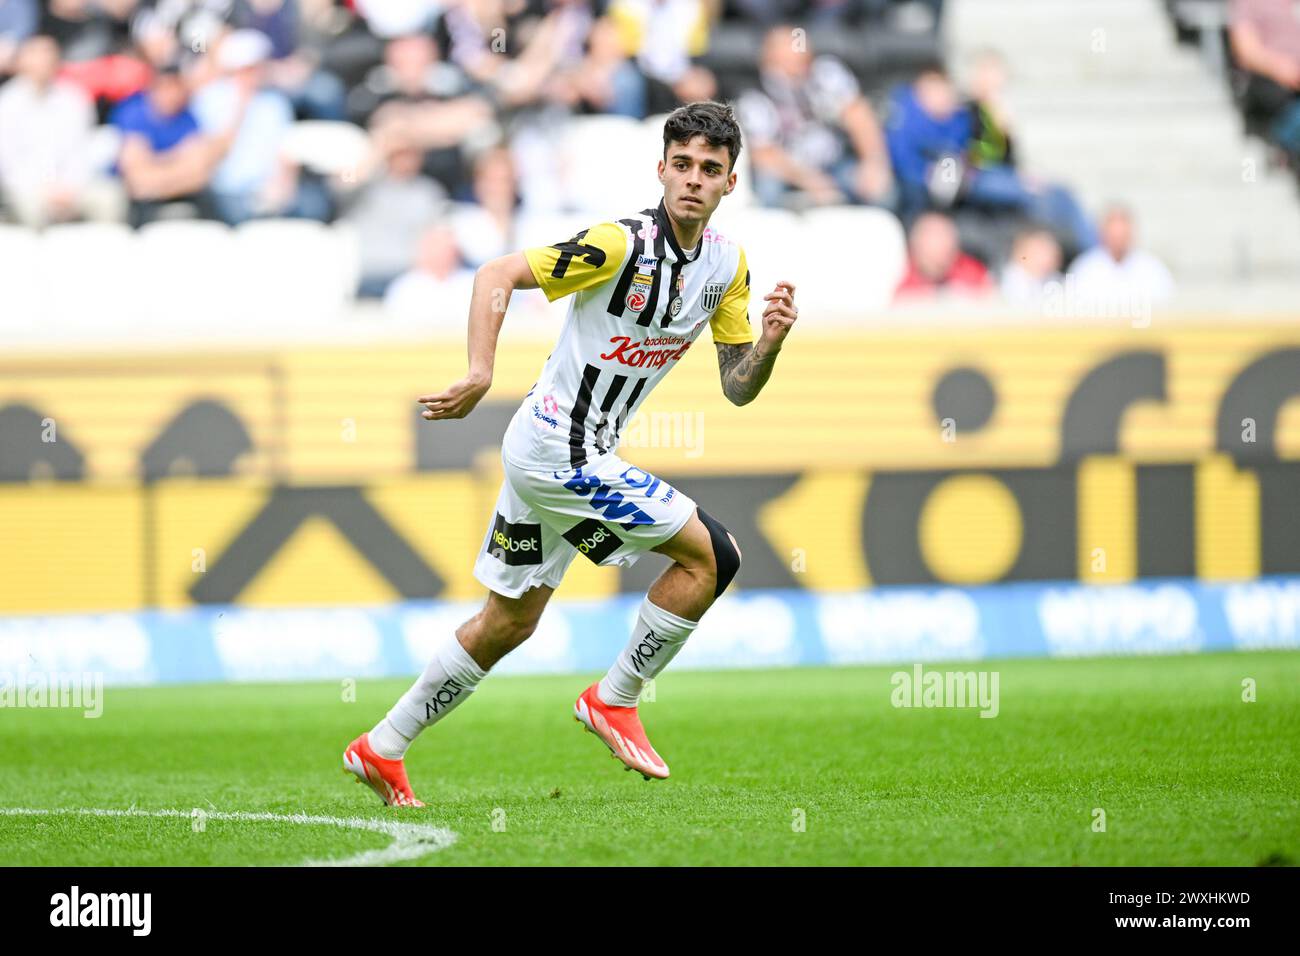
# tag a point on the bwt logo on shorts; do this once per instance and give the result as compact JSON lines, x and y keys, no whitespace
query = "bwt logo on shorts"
{"x":611,"y":503}
{"x":594,"y":539}
{"x":515,"y":544}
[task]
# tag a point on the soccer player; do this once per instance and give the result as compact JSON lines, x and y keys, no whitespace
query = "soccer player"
{"x":642,"y":288}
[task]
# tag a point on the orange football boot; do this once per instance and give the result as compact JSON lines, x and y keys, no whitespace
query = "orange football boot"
{"x":620,"y":728}
{"x":386,"y":777}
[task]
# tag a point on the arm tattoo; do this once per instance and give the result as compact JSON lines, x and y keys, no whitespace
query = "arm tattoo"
{"x":745,"y":370}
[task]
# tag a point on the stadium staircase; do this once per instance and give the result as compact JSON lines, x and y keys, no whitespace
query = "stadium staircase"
{"x":1105,"y":100}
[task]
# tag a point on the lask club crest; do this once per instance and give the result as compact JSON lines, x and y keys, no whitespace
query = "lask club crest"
{"x":712,"y":295}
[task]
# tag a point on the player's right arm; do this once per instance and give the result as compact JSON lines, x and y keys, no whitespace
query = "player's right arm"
{"x":590,"y":258}
{"x":494,"y":282}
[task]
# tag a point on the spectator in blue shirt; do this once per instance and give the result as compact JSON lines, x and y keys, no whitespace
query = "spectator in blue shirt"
{"x":164,"y":157}
{"x":928,"y":134}
{"x":159,"y":114}
{"x":932,"y":143}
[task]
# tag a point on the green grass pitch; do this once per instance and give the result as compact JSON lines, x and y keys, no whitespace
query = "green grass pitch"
{"x":1184,"y":769}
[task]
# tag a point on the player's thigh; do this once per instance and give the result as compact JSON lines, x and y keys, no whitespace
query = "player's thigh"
{"x":692,"y":546}
{"x":696,"y":545}
{"x":521,"y":561}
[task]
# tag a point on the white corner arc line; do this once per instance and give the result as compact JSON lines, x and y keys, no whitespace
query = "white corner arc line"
{"x":410,"y":840}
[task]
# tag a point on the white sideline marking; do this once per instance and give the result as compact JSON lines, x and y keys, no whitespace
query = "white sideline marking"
{"x":410,"y":840}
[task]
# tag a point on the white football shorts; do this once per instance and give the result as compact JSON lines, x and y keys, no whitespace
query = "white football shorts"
{"x":608,"y":510}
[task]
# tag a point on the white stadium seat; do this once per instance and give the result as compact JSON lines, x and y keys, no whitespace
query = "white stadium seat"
{"x":347,"y":258}
{"x":840,"y":258}
{"x":20,"y":253}
{"x":188,"y":274}
{"x":742,"y":197}
{"x":546,"y":228}
{"x":294,"y":272}
{"x":609,"y":165}
{"x":326,"y":146}
{"x":861,"y":254}
{"x":773,"y":244}
{"x":88,"y":273}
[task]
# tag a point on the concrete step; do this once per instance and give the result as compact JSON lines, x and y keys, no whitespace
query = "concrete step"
{"x":1053,"y":9}
{"x":1273,"y":199}
{"x":1274,"y":196}
{"x":1063,"y":68}
{"x":1205,"y":242}
{"x":1164,"y":100}
{"x":964,"y":18}
{"x":1219,"y":243}
{"x":1235,"y":263}
{"x":1120,"y":127}
{"x":1091,"y":38}
{"x":1104,"y":101}
{"x":1128,"y":154}
{"x":1190,"y":170}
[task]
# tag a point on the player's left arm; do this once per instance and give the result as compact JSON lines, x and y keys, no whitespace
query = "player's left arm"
{"x":746,"y":365}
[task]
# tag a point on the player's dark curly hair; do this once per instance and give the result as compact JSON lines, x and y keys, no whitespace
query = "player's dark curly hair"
{"x":708,"y":118}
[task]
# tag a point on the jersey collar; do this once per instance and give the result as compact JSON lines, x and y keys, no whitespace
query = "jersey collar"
{"x":661,"y":217}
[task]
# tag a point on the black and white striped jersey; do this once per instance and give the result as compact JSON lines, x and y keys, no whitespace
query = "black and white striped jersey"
{"x":638,"y":302}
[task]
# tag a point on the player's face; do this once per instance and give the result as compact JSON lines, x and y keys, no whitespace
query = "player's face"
{"x":695,"y":178}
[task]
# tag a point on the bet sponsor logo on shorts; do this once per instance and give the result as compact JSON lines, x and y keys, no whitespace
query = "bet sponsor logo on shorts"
{"x":515,"y":544}
{"x":593,"y":538}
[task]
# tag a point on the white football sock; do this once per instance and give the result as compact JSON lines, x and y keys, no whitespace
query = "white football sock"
{"x":450,"y":677}
{"x":656,"y":639}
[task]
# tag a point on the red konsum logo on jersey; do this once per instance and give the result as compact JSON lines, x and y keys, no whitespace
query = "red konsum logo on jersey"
{"x":643,"y":354}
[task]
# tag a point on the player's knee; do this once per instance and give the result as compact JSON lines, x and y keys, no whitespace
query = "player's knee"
{"x":510,"y":623}
{"x":512,"y":630}
{"x":520,"y":630}
{"x":726,"y":552}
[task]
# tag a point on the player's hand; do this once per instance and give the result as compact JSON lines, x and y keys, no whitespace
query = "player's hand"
{"x":457,"y":401}
{"x":780,"y":314}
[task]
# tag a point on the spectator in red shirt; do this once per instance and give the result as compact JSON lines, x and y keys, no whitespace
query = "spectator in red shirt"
{"x":936,"y":265}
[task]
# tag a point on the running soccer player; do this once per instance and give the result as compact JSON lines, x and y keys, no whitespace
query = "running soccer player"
{"x":642,"y":287}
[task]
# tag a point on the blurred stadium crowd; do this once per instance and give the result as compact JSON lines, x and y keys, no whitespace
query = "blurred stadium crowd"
{"x":428,"y":126}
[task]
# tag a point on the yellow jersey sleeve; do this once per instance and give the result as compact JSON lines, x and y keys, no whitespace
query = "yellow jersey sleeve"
{"x":730,"y":321}
{"x":590,"y":258}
